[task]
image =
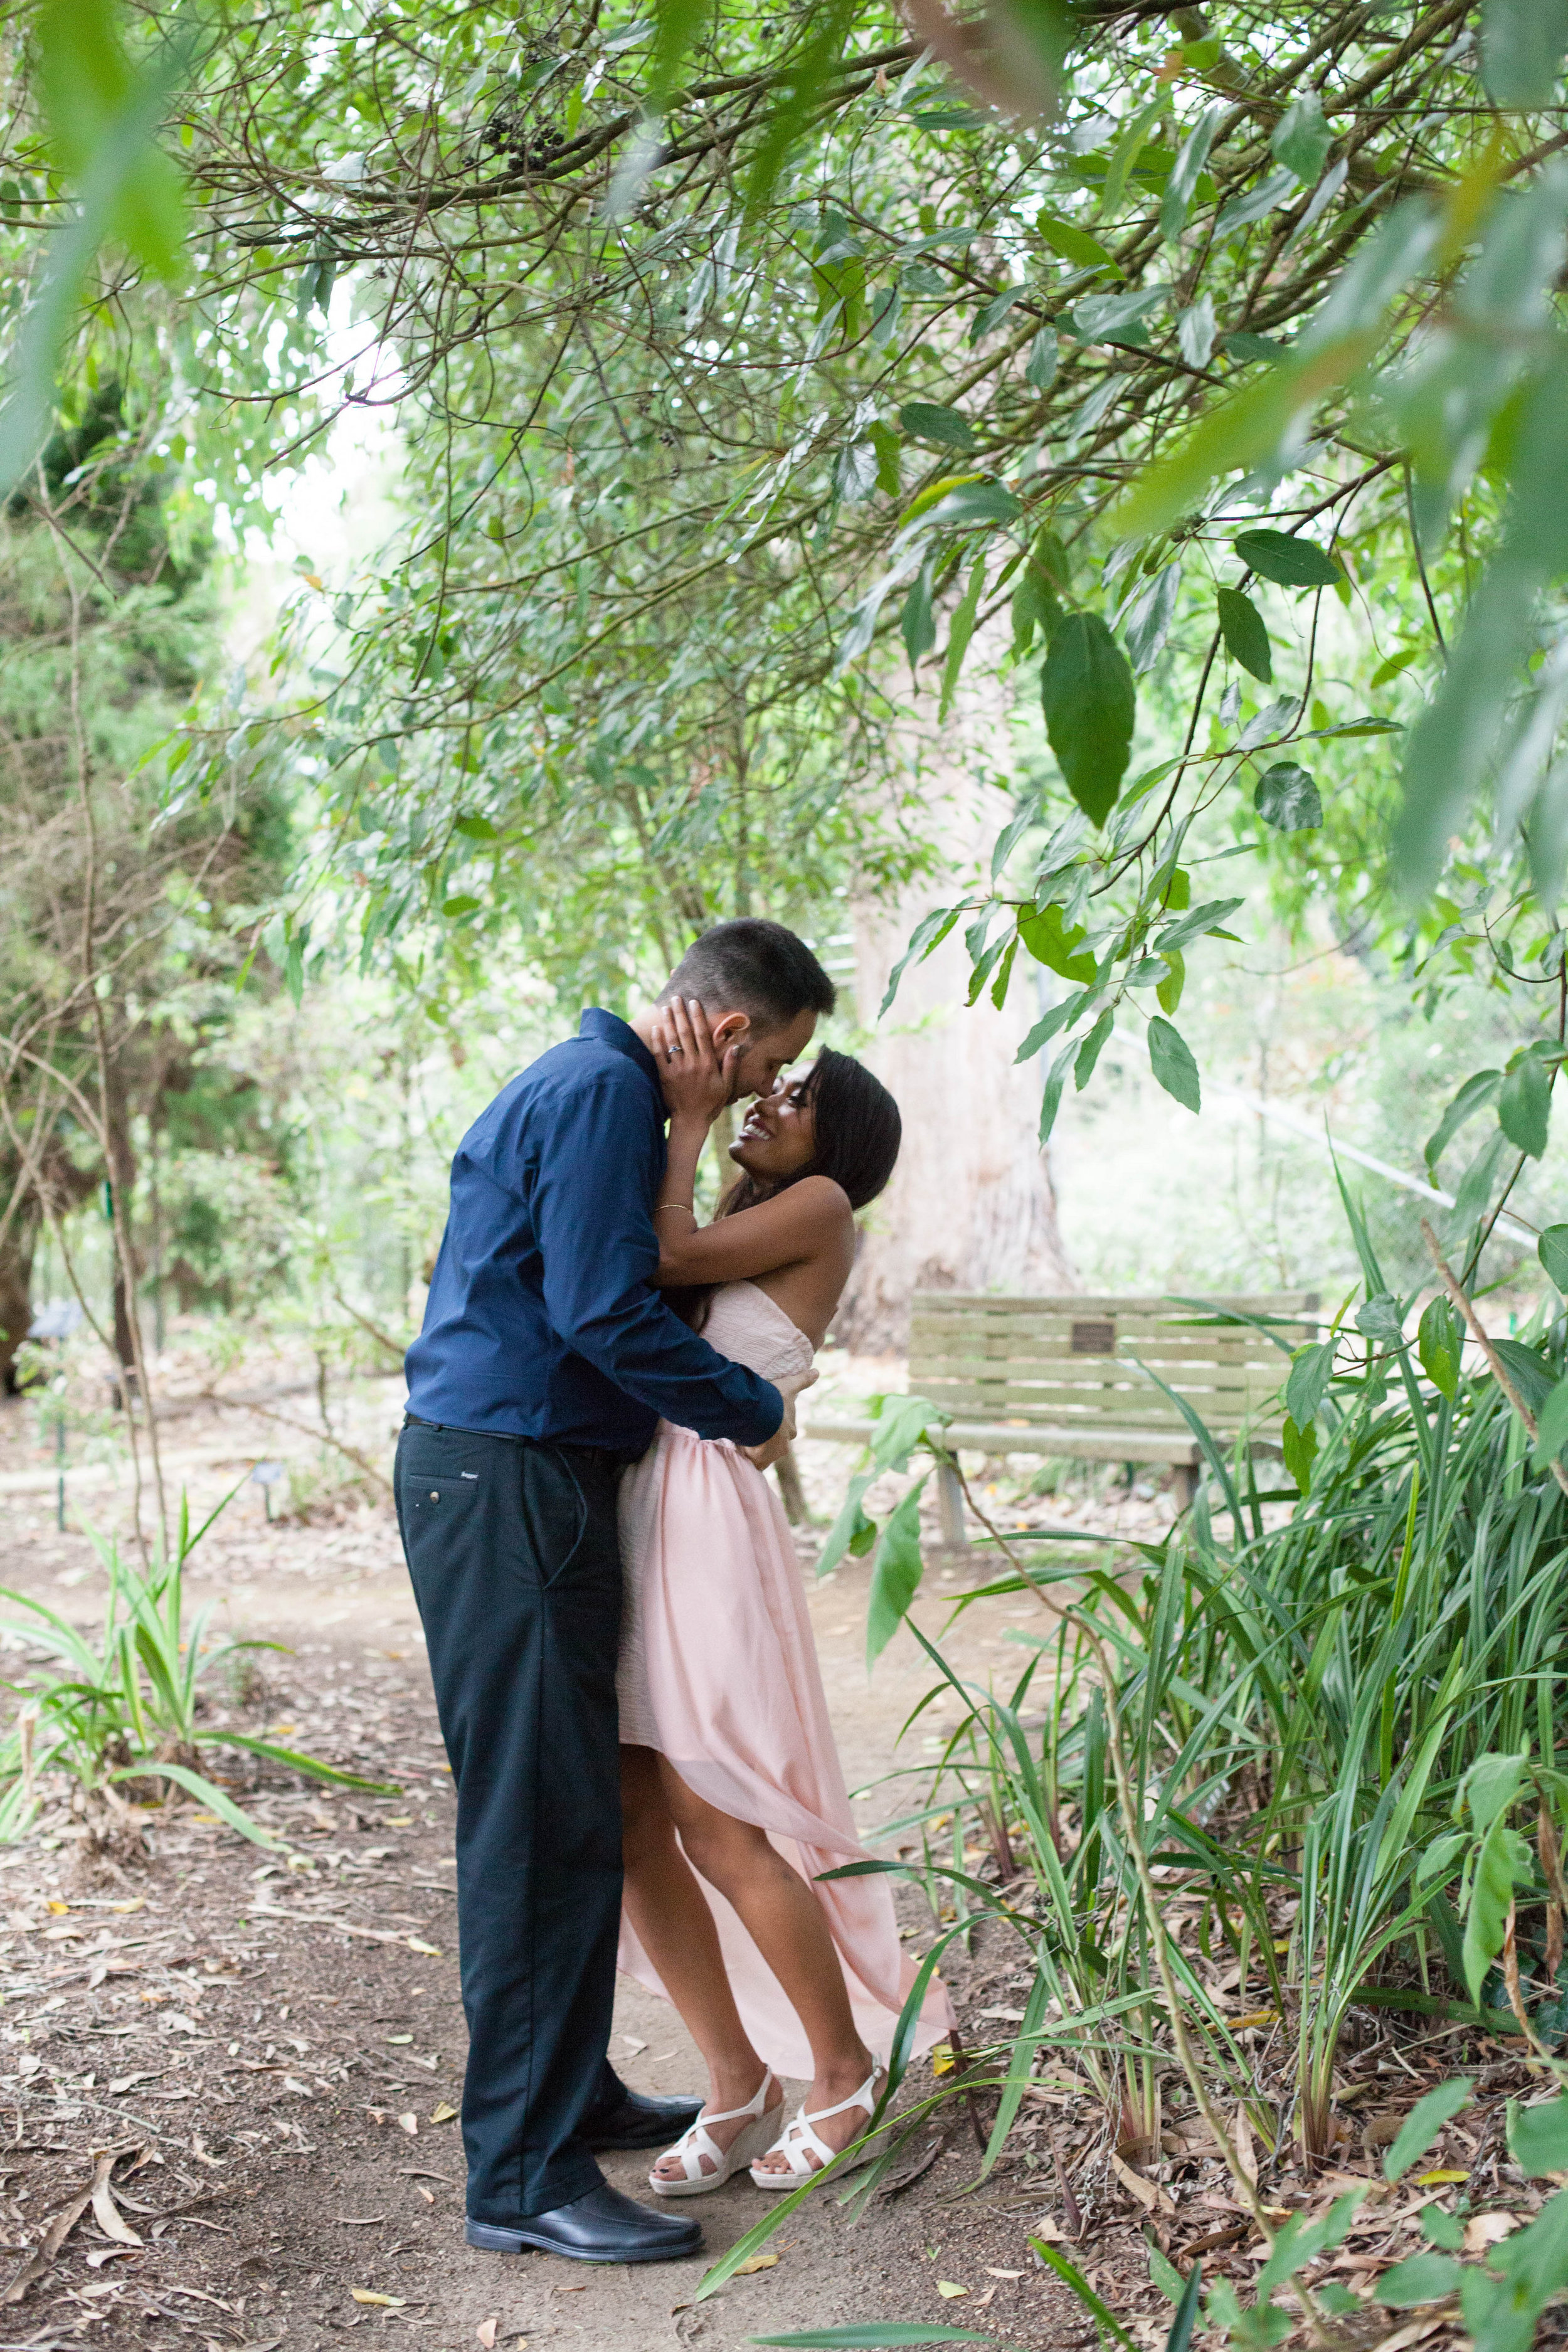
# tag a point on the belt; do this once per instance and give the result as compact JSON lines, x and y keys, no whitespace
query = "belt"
{"x":610,"y":1456}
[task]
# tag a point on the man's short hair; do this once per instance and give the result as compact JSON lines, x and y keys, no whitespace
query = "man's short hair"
{"x":754,"y":967}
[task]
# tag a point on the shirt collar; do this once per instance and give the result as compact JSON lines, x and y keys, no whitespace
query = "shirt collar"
{"x":609,"y":1029}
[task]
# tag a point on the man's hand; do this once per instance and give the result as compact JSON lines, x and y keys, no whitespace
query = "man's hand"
{"x":779,"y":1443}
{"x":697,"y":1076}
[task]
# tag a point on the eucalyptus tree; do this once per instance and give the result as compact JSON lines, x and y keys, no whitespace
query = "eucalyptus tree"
{"x":1223,"y":387}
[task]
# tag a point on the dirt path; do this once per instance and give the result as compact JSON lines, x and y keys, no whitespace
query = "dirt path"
{"x":277,"y":2044}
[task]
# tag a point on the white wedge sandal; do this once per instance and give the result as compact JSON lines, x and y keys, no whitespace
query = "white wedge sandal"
{"x":800,"y":2140}
{"x":763,"y":2111}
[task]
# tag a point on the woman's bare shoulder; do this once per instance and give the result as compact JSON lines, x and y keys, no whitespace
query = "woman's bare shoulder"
{"x":822,"y":1199}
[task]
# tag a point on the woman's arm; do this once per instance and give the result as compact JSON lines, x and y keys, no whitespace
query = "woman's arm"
{"x":799,"y":1222}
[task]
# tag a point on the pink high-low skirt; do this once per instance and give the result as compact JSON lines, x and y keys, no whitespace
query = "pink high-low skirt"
{"x":719,"y":1672}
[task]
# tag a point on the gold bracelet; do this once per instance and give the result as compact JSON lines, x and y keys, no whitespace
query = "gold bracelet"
{"x":662,"y":1206}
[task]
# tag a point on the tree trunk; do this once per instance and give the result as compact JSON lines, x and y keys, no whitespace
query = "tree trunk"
{"x":15,"y":1294}
{"x":970,"y":1206}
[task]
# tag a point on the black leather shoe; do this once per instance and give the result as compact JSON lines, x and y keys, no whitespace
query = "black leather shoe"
{"x":636,"y":2121}
{"x":602,"y":2226}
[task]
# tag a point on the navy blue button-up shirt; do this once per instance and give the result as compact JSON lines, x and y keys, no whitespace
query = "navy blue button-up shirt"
{"x":543,"y":1320}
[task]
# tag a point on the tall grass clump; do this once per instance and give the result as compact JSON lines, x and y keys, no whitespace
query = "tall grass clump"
{"x":115,"y":1709}
{"x":1304,"y":1747}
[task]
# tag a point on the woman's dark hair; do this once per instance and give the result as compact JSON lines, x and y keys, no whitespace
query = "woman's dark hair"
{"x":858,"y":1131}
{"x":857,"y":1134}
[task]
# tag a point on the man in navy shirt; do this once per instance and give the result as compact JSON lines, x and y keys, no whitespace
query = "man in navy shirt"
{"x":546,"y":1360}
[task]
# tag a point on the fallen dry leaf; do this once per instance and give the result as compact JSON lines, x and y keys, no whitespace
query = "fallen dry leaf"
{"x":105,"y":2212}
{"x":385,"y":2302}
{"x":410,"y":2124}
{"x":1439,"y":2180}
{"x":633,"y":2044}
{"x":431,"y":1951}
{"x":754,"y":2262}
{"x":1150,"y":2195}
{"x":53,"y":1905}
{"x":443,"y":2113}
{"x":946,"y":2287}
{"x":994,"y":2273}
{"x":485,"y":2332}
{"x":1484,"y":2230}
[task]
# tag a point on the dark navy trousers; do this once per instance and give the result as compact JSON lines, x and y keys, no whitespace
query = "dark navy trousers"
{"x":512,"y":1547}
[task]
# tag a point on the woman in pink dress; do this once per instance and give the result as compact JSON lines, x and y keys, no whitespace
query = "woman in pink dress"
{"x":734,"y":1797}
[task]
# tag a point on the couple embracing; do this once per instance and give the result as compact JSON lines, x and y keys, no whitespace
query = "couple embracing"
{"x":617,"y":1628}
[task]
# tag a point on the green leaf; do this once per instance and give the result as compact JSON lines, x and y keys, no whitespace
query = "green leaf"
{"x":917,"y":621}
{"x":944,"y":425}
{"x":1241,"y":345}
{"x":1051,"y":1098}
{"x":1148,"y":621}
{"x":1420,"y":2278}
{"x":1287,"y":559}
{"x":197,"y":1784}
{"x":1186,"y":173}
{"x":1303,"y":139}
{"x":848,"y":1526}
{"x":1423,"y":2124}
{"x":1287,"y":798}
{"x":1538,"y":2137}
{"x":926,"y":938}
{"x":1069,"y":2272}
{"x":1522,"y":46}
{"x":454,"y":908}
{"x":1195,"y":922}
{"x":1186,"y":2320}
{"x":1255,"y":203}
{"x":1168,"y":992}
{"x":1551,"y":1249}
{"x":1451,"y":750}
{"x":1074,"y":243}
{"x":476,"y":828}
{"x":1438,"y":1342}
{"x":1089,"y":1051}
{"x":1172,"y":1065}
{"x":1551,"y":1427}
{"x":1242,"y":431}
{"x":1090,"y":702}
{"x":1524,"y":1105}
{"x":895,"y":1573}
{"x":1534,"y":1378}
{"x":1311,"y":1367}
{"x":885,"y":442}
{"x":1245,"y":638}
{"x":1040,"y":368}
{"x":959,"y":634}
{"x":1299,"y":1447}
{"x":973,"y":502}
{"x":1050,"y":943}
{"x":1164,"y":2274}
{"x":1392,"y":666}
{"x":1443,"y":2229}
{"x":1502,"y":1862}
{"x":1477,"y":1091}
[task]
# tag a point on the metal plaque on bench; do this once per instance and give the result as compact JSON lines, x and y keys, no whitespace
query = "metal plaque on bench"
{"x":1094,"y":1338}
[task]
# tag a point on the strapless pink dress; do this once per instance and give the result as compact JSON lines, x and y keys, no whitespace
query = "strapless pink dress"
{"x":719,"y":1672}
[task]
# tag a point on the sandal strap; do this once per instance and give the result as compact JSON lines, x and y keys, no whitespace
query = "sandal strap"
{"x":864,"y":2098}
{"x":757,"y":2105}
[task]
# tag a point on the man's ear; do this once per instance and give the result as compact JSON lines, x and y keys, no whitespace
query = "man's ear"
{"x":732,"y":1029}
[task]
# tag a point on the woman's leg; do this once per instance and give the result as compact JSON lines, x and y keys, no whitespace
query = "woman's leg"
{"x":784,"y":1920}
{"x":675,"y":1928}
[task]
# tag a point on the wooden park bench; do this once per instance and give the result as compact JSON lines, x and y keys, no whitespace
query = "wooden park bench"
{"x":1069,"y":1375}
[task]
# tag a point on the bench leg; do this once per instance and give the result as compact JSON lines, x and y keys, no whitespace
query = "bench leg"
{"x":1184,"y":1485}
{"x":950,"y":1506}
